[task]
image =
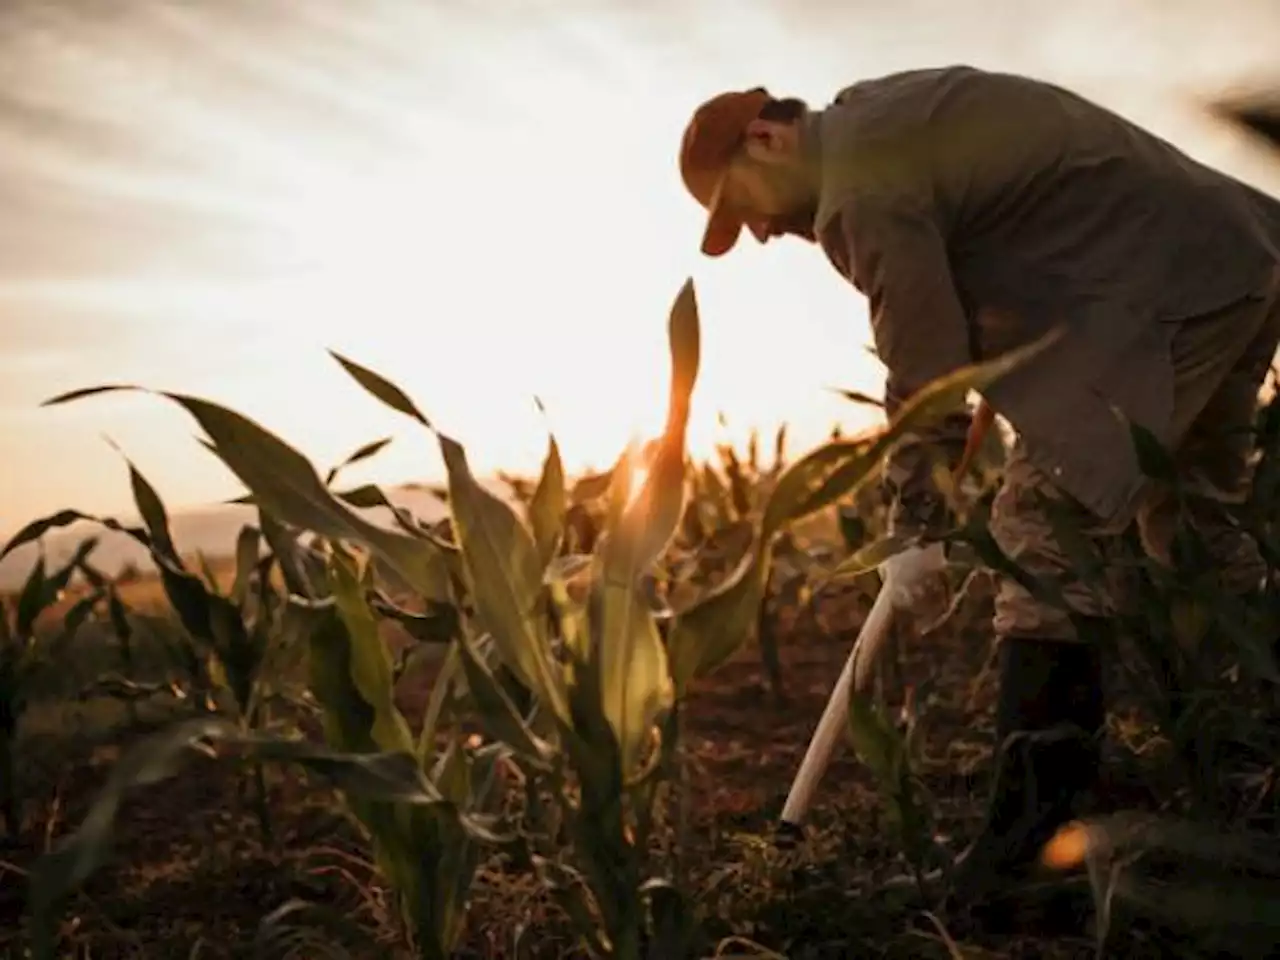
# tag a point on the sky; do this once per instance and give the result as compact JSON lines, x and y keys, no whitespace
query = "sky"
{"x":478,"y":200}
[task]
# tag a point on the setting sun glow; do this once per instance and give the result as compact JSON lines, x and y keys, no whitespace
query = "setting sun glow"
{"x":207,"y":199}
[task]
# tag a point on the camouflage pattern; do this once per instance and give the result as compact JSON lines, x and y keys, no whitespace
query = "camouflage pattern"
{"x":1220,"y":361}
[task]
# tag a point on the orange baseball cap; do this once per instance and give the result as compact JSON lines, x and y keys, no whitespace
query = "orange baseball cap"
{"x":713,"y":135}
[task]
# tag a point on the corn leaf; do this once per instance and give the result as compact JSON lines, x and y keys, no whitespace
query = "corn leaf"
{"x":846,"y":475}
{"x":80,"y":854}
{"x":870,"y":557}
{"x":369,"y":661}
{"x":635,"y":681}
{"x":857,"y":396}
{"x":504,"y":575}
{"x":649,"y":521}
{"x":154,"y":516}
{"x":31,"y":599}
{"x":590,"y":487}
{"x":548,"y":506}
{"x":708,"y":633}
{"x":497,"y":714}
{"x":499,"y":555}
{"x":797,"y":482}
{"x":411,"y":851}
{"x":364,"y":452}
{"x":286,"y":485}
{"x":382,"y":388}
{"x":248,"y":548}
{"x":382,"y":777}
{"x":36,"y":529}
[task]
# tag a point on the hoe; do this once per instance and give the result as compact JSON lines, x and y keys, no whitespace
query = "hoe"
{"x":859,"y":668}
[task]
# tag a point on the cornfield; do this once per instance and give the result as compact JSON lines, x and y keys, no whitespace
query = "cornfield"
{"x":565,"y":727}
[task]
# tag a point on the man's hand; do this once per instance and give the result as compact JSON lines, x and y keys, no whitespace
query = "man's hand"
{"x":906,"y":575}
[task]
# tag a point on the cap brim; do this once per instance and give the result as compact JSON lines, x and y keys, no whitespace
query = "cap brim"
{"x":723,"y":228}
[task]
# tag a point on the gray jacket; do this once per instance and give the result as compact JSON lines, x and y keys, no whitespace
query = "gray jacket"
{"x":977,"y":210}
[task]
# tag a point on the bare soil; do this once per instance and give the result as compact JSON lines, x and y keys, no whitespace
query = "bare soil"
{"x":191,"y":875}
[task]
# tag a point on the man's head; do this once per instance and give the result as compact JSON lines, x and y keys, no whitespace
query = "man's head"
{"x":742,"y":158}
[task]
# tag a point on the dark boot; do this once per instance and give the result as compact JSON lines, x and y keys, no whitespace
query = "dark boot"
{"x":1049,"y":716}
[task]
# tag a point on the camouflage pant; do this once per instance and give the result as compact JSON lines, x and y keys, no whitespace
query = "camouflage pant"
{"x":1220,"y":362}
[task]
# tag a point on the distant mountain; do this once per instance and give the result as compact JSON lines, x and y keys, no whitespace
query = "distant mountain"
{"x":210,"y":530}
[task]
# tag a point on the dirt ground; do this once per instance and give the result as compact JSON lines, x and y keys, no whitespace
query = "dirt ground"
{"x":191,"y":877}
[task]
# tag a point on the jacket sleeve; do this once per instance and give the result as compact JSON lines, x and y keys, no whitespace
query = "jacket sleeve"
{"x":897,"y":258}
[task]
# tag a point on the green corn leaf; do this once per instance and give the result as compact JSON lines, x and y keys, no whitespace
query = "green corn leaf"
{"x":709,"y":632}
{"x":497,"y":713}
{"x":119,"y":616}
{"x":635,"y":681}
{"x":79,"y":614}
{"x":31,"y":599}
{"x":381,"y":777}
{"x":548,"y":506}
{"x":287,"y":486}
{"x":870,"y":557}
{"x":80,"y":854}
{"x":154,"y":516}
{"x":817,"y":481}
{"x":684,"y":337}
{"x":439,"y":624}
{"x":363,"y":497}
{"x":207,"y":571}
{"x":445,"y":686}
{"x":857,"y":396}
{"x":284,"y":547}
{"x":504,"y":576}
{"x":874,"y":739}
{"x":451,"y":774}
{"x":248,"y":546}
{"x":779,"y":449}
{"x":569,"y":890}
{"x":61,"y":578}
{"x":797,"y":482}
{"x":235,"y":648}
{"x":362,"y":453}
{"x":421,"y":854}
{"x":591,"y":487}
{"x":391,"y":777}
{"x":383,"y":389}
{"x":298,"y":928}
{"x":36,"y":529}
{"x":646,"y":525}
{"x":369,"y":661}
{"x":348,"y":718}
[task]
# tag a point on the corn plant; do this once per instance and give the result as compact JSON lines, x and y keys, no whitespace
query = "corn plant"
{"x":233,"y":635}
{"x":24,"y":655}
{"x":425,"y":810}
{"x":603,"y":679}
{"x":424,"y":831}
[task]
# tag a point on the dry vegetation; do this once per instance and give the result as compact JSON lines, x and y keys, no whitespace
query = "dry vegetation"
{"x":568,"y":729}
